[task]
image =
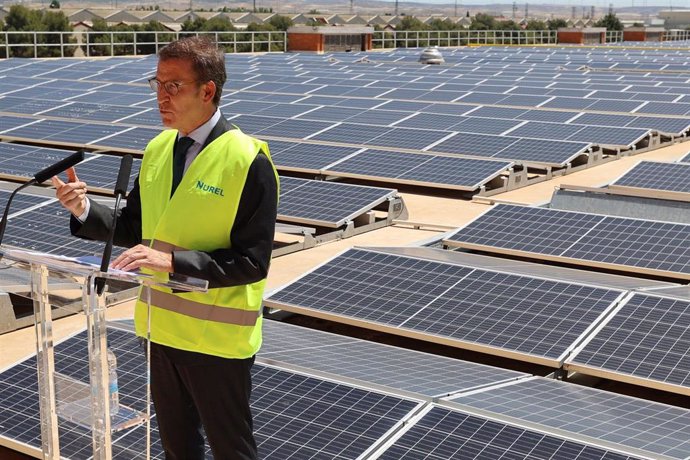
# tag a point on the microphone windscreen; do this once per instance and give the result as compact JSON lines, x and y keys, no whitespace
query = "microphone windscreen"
{"x":55,"y":169}
{"x":123,"y":175}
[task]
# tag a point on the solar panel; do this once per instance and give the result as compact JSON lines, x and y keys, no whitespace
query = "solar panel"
{"x":38,"y":92}
{"x":444,"y":433}
{"x":624,"y":243}
{"x":664,"y":108}
{"x":545,"y":130}
{"x":481,"y":98}
{"x":132,"y":139}
{"x":652,"y":175}
{"x":244,"y":107}
{"x":303,"y":156}
{"x":497,"y":112}
{"x":474,"y":144}
{"x":63,"y":131}
{"x":46,"y":229}
{"x":330,"y":113}
{"x":543,"y":151}
{"x":610,"y":105}
{"x":523,"y":100}
{"x":351,"y":133}
{"x":473,"y":308}
{"x":252,"y":124}
{"x":600,"y":119}
{"x":404,"y":106}
{"x":447,"y":172}
{"x":646,"y":342}
{"x":295,"y":129}
{"x":22,"y":201}
{"x":28,"y":106}
{"x":359,"y":103}
{"x":448,"y":109}
{"x":484,"y":125}
{"x":294,"y":415}
{"x":147,"y":117}
{"x":408,"y":138}
{"x":327,"y":203}
{"x":8,"y":123}
{"x":111,"y":97}
{"x":623,"y":420}
{"x":92,"y":112}
{"x":284,"y":110}
{"x":572,"y":103}
{"x":24,"y":160}
{"x":428,"y":121}
{"x":374,"y":363}
{"x":379,"y":163}
{"x":102,"y":171}
{"x":547,"y":115}
{"x":623,"y":137}
{"x":673,"y":125}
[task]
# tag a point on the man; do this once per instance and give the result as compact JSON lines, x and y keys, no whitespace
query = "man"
{"x":209,"y":213}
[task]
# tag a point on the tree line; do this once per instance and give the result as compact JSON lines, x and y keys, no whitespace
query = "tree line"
{"x":121,"y":38}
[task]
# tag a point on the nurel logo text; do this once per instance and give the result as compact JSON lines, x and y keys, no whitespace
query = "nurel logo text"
{"x":209,"y":188}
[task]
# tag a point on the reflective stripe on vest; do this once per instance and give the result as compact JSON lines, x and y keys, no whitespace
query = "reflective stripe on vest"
{"x":177,"y":304}
{"x":224,"y":321}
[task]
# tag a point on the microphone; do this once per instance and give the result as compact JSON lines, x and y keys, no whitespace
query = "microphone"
{"x":41,"y":176}
{"x":53,"y":170}
{"x":120,"y":191}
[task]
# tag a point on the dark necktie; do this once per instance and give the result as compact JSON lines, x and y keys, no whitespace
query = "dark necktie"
{"x":179,"y":157}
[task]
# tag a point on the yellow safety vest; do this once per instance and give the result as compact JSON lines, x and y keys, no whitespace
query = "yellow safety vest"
{"x":224,"y":321}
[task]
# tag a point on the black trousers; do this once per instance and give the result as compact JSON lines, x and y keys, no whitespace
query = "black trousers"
{"x":191,"y":390}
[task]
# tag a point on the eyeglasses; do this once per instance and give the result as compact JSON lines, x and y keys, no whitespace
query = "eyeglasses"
{"x":170,"y":87}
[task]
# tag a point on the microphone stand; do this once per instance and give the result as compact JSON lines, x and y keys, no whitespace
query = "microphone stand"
{"x":120,"y":191}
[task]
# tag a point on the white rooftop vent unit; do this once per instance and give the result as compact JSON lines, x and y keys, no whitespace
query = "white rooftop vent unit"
{"x":431,"y":55}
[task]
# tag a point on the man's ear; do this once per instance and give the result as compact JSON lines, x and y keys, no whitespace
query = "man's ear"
{"x":209,"y":90}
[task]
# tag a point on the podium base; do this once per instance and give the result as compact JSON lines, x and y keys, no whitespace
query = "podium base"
{"x":74,"y":405}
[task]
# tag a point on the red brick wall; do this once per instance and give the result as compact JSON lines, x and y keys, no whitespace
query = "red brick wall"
{"x":634,"y":35}
{"x":570,"y":37}
{"x":305,"y":42}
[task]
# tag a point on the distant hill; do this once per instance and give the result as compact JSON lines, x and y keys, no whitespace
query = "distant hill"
{"x":372,"y":7}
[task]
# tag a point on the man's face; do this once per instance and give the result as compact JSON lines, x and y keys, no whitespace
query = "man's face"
{"x":187,"y":109}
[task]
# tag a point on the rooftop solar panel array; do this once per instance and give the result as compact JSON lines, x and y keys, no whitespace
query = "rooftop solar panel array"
{"x":127,"y":99}
{"x":645,"y":342}
{"x":326,"y":203}
{"x":96,"y":170}
{"x":458,"y":305}
{"x":654,"y":428}
{"x":46,"y":229}
{"x":590,"y":239}
{"x":447,"y":433}
{"x":652,"y":175}
{"x":397,"y":369}
{"x":295,"y":416}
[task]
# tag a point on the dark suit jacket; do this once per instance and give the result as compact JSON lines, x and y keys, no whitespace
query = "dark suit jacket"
{"x":251,"y":237}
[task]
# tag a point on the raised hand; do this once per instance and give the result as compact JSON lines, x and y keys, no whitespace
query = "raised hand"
{"x":72,"y":194}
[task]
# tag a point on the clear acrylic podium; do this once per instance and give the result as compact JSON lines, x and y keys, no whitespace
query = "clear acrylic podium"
{"x":86,"y":403}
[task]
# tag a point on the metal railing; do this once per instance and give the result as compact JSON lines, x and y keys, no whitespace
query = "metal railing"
{"x":676,"y":34}
{"x":422,"y":38}
{"x":614,"y":36}
{"x":131,"y":43}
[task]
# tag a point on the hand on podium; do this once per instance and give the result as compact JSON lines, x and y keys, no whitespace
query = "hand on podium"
{"x":72,"y":195}
{"x":141,"y":256}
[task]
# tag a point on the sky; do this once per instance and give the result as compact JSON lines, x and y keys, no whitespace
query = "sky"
{"x":675,"y":4}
